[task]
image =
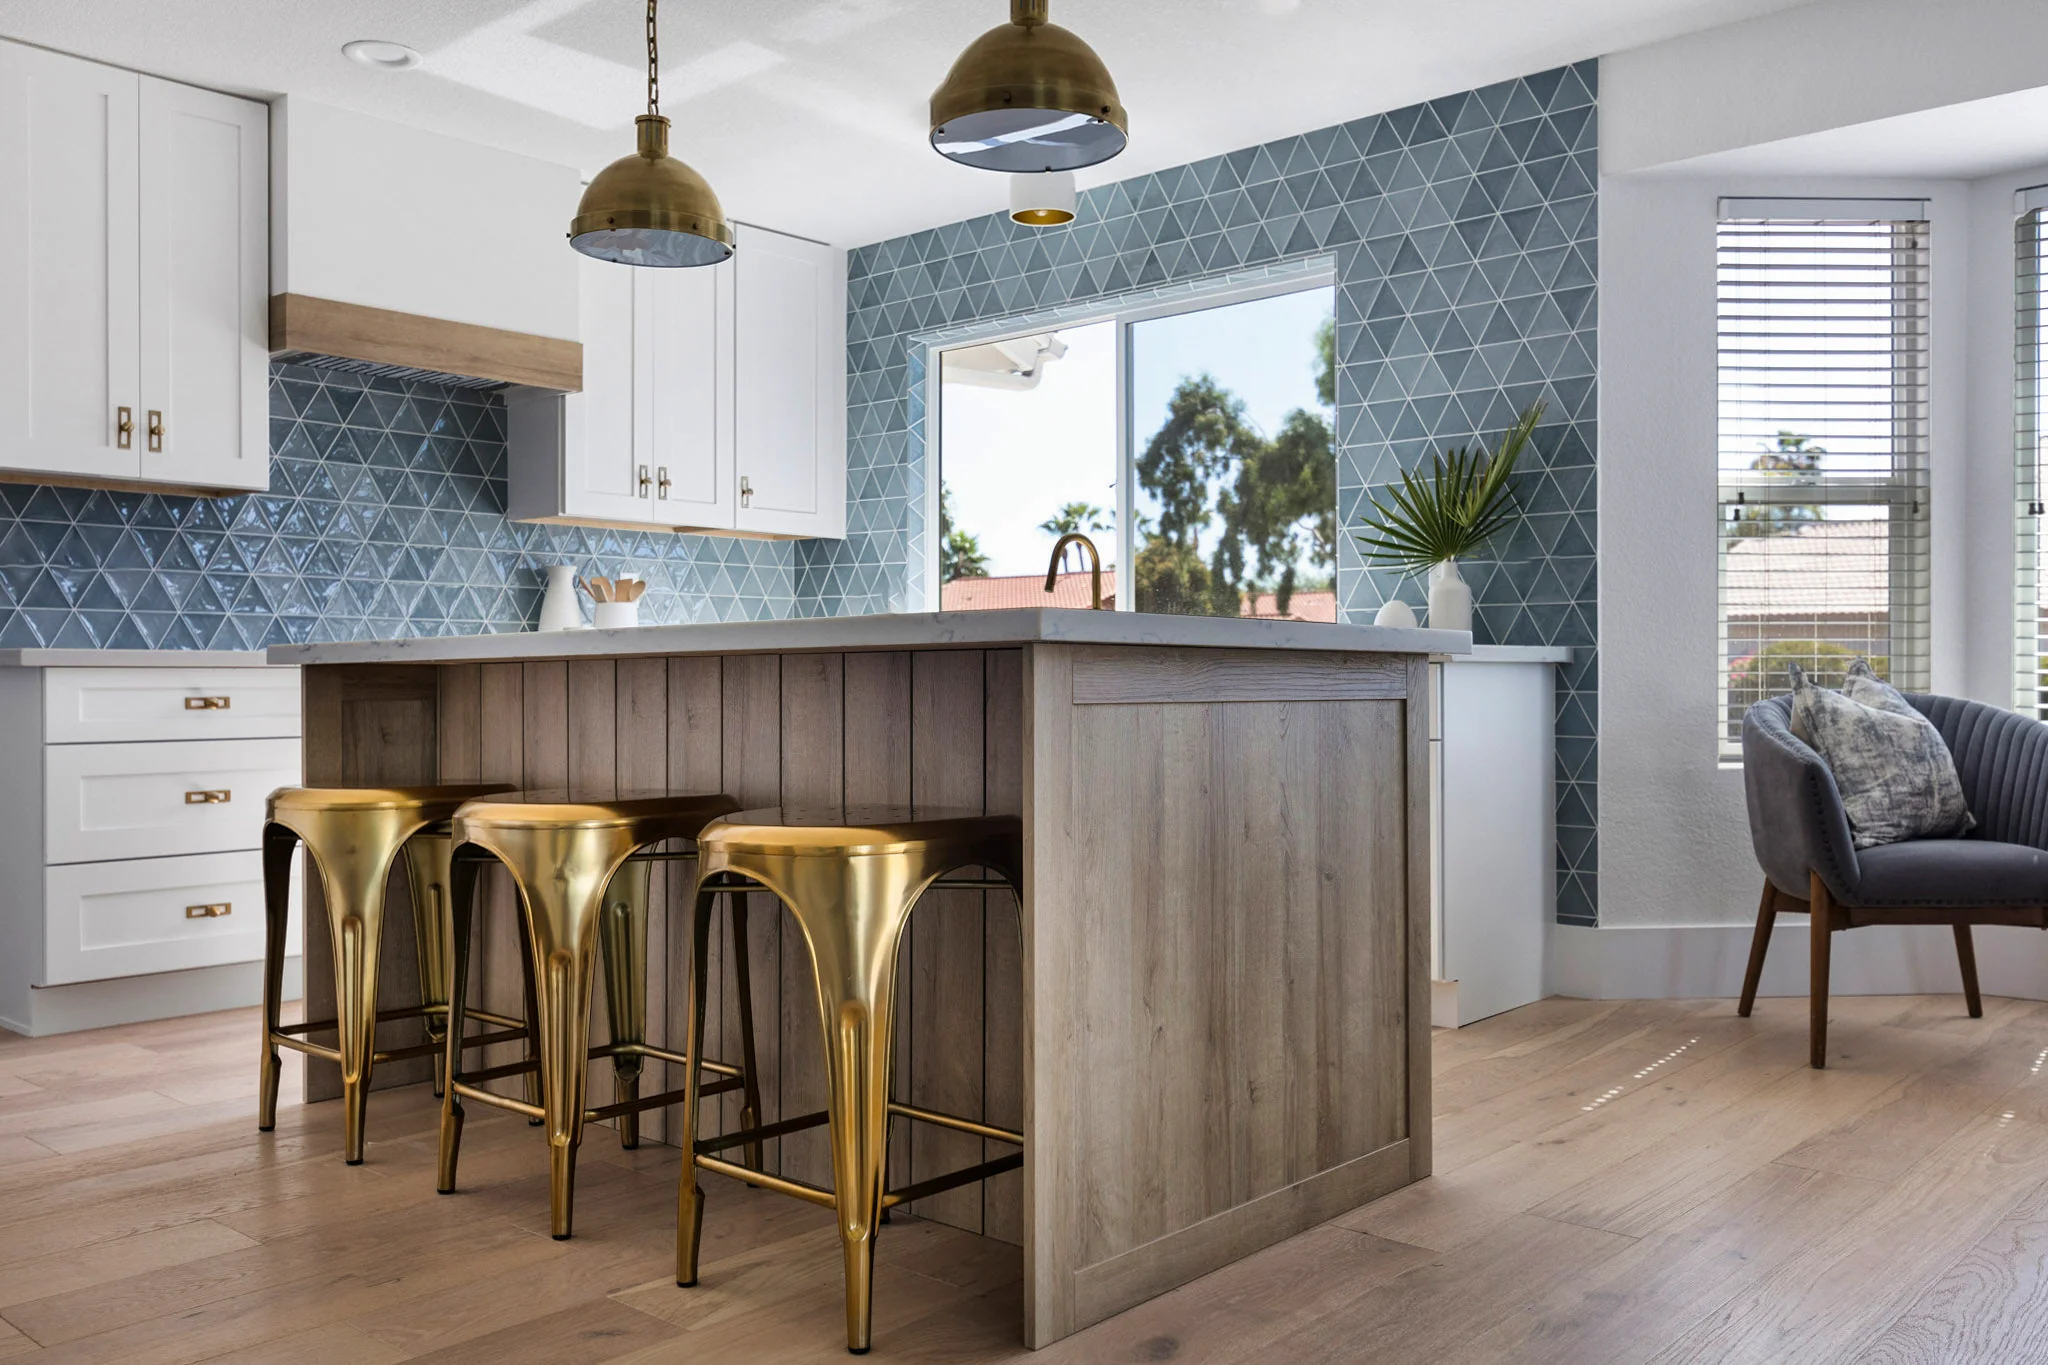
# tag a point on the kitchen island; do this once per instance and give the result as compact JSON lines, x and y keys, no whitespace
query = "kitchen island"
{"x":1209,"y":1016}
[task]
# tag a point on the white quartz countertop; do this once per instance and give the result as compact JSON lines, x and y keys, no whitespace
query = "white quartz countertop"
{"x":1516,"y":654}
{"x":915,"y":630}
{"x":132,"y":658}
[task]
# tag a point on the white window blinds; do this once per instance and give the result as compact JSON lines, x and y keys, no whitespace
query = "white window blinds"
{"x":1823,"y":330}
{"x":2030,"y":241}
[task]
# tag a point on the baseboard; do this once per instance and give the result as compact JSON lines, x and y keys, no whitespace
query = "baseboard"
{"x":135,"y":999}
{"x":1702,"y":961}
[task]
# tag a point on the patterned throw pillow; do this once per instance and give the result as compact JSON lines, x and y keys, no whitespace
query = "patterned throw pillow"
{"x":1897,"y":778}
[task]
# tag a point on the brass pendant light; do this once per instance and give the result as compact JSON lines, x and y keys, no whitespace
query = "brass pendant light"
{"x":1028,"y":96}
{"x":649,"y":208}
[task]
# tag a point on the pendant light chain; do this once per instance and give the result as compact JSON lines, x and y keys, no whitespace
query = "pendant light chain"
{"x":653,"y":60}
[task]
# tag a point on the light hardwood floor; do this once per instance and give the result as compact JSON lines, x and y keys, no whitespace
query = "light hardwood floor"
{"x":1618,"y":1181}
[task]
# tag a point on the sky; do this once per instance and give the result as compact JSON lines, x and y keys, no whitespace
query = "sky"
{"x":1012,"y":458}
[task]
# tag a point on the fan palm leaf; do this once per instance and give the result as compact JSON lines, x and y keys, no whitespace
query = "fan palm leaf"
{"x":1452,"y":509}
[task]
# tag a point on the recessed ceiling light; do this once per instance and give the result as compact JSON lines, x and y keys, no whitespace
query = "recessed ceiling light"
{"x":379,"y":55}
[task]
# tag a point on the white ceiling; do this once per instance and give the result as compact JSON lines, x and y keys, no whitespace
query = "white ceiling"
{"x":808,"y":115}
{"x":1956,"y":142}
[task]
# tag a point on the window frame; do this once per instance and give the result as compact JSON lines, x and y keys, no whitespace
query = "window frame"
{"x":1904,"y":493}
{"x":2030,"y":427}
{"x":1126,"y":312}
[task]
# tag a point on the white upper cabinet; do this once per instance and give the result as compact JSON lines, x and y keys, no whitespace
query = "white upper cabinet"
{"x":70,"y":216}
{"x":134,"y":259}
{"x":205,"y":288}
{"x":713,"y":399}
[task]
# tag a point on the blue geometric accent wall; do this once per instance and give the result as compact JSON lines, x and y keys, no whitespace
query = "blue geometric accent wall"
{"x":1464,"y":236}
{"x":385,"y":519}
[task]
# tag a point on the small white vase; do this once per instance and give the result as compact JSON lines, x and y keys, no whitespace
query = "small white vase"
{"x":1395,"y":612}
{"x":1450,"y":598}
{"x":559,"y":609}
{"x":617,"y":615}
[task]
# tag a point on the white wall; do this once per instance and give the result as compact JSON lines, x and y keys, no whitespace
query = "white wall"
{"x":371,"y":212}
{"x":1674,"y":835}
{"x":1815,"y":67}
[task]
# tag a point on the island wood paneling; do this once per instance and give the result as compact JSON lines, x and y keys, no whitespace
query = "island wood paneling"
{"x":1219,"y":972}
{"x":826,"y":731}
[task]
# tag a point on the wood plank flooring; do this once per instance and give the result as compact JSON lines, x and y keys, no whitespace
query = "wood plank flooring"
{"x":1615,"y":1181}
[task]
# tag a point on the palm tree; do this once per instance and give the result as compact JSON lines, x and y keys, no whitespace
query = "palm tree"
{"x":1074,"y":518}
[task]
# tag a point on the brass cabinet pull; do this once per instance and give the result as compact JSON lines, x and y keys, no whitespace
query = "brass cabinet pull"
{"x":214,"y":911}
{"x":644,"y":480}
{"x":746,"y":491}
{"x":156,"y":430}
{"x":208,"y":798}
{"x":663,"y":482}
{"x":206,"y":703}
{"x":124,"y":428}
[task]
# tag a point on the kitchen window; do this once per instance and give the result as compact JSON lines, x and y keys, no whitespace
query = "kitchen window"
{"x":1823,"y":445}
{"x":1193,"y":441}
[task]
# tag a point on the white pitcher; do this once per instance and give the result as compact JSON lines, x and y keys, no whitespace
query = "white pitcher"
{"x":559,"y":609}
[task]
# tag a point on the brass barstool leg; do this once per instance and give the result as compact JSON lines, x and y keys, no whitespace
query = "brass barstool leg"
{"x":743,"y":982}
{"x":426,"y":869}
{"x":623,"y":933}
{"x":461,"y":915}
{"x":352,"y":878}
{"x":689,"y":1194}
{"x":530,"y":1081}
{"x":279,"y":843}
{"x":853,"y":948}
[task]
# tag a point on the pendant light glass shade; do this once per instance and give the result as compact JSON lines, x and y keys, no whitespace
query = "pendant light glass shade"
{"x":1028,"y":96}
{"x":1042,"y":200}
{"x":649,"y":208}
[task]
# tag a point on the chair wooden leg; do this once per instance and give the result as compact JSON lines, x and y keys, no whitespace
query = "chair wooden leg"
{"x":1823,"y":908}
{"x":1966,"y":956}
{"x":1759,"y":944}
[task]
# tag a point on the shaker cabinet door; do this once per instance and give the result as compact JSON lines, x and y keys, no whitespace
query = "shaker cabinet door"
{"x":205,"y":288}
{"x":69,"y":219}
{"x":685,"y":347}
{"x":606,"y":470}
{"x":789,"y":368}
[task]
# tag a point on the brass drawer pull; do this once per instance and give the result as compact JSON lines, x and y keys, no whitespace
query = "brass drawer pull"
{"x":214,"y":911}
{"x":212,"y":798}
{"x":206,"y":703}
{"x":124,"y":428}
{"x":156,"y":431}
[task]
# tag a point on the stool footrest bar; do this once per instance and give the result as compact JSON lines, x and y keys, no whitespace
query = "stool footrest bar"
{"x":938,"y":1184}
{"x":762,"y":1134}
{"x":957,"y":1124}
{"x":661,"y":1101}
{"x":471,"y":1092}
{"x":810,"y":1194}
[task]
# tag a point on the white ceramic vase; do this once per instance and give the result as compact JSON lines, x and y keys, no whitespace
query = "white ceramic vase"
{"x":558,"y":608}
{"x":1395,"y":612}
{"x":617,"y":615}
{"x":1450,"y":598}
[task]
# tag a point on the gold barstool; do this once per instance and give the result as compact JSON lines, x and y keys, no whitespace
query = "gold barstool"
{"x":582,"y":874}
{"x":851,"y":887}
{"x":353,"y":834}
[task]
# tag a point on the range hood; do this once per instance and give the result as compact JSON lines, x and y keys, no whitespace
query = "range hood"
{"x":401,"y":249}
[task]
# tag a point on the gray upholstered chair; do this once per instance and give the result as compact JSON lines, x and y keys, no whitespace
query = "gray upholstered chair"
{"x":1996,"y":874}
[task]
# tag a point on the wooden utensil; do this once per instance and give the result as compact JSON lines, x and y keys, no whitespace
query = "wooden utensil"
{"x":600,"y":589}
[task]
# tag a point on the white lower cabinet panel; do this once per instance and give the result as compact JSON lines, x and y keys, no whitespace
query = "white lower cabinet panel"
{"x":148,"y":915}
{"x":109,"y":801}
{"x":109,"y":705}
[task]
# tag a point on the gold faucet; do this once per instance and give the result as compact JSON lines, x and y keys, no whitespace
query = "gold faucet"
{"x":1052,"y":571}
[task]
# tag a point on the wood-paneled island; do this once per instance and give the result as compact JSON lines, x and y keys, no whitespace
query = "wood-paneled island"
{"x":1211,"y":1020}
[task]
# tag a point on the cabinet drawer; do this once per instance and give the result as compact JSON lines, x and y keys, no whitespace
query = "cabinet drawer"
{"x":103,"y":705}
{"x":156,"y":915}
{"x":104,"y":802}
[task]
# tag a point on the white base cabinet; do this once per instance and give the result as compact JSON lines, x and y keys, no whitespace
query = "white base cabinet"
{"x":713,"y":399}
{"x":1493,"y":766}
{"x":134,"y":278}
{"x":133,"y":829}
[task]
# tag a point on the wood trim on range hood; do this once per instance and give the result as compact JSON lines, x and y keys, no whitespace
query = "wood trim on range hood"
{"x":354,"y":331}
